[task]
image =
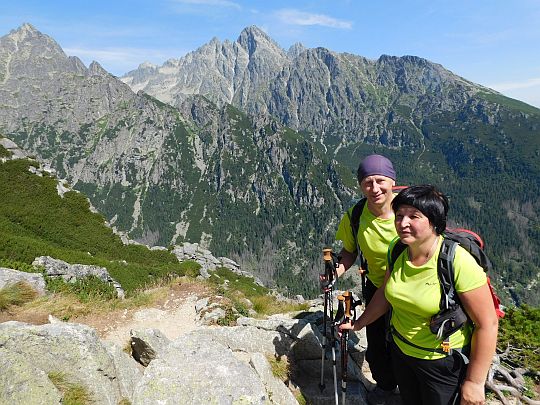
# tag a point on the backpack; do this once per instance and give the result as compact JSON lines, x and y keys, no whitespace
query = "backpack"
{"x":451,"y":315}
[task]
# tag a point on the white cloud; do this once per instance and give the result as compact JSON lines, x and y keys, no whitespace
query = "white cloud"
{"x":215,"y":3}
{"x":526,"y":90}
{"x":297,"y":17}
{"x":121,"y":60}
{"x":524,"y":84}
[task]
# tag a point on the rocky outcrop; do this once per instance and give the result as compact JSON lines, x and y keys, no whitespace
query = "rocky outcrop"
{"x":13,"y":149}
{"x":208,"y":262}
{"x":10,"y":277}
{"x":30,"y":354}
{"x":222,"y":365}
{"x":72,"y":272}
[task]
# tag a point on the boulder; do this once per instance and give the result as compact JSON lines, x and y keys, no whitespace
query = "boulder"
{"x":276,"y":389}
{"x":31,"y":352}
{"x":145,"y":344}
{"x":196,"y":369}
{"x":10,"y":277}
{"x":71,"y":272}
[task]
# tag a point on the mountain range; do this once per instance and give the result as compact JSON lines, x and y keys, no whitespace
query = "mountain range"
{"x":251,"y":150}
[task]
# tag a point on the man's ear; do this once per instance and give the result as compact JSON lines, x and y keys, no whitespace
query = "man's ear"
{"x":393,"y":183}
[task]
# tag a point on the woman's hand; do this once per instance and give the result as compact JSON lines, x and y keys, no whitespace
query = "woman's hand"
{"x":472,"y":393}
{"x":346,"y":326}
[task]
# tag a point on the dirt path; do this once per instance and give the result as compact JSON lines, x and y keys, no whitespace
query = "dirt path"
{"x":173,"y":315}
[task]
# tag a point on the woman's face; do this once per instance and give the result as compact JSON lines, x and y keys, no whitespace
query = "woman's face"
{"x":377,"y":189}
{"x":412,"y":226}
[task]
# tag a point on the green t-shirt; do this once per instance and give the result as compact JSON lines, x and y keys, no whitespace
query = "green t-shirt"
{"x":414,"y":293}
{"x":374,"y":236}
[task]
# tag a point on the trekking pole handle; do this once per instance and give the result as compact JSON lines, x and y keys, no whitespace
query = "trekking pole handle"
{"x":346,"y":298}
{"x":330,"y":266}
{"x":327,"y":254}
{"x":349,"y":306}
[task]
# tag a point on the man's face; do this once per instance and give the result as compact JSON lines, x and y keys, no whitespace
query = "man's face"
{"x":377,"y":188}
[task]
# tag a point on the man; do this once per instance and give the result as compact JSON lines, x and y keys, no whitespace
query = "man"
{"x":376,"y":177}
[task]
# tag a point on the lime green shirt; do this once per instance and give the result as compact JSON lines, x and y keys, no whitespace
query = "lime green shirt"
{"x":374,"y":236}
{"x":414,"y":293}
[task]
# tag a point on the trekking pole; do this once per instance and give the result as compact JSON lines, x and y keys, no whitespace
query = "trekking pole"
{"x":337,"y":320}
{"x":349,"y":305}
{"x":327,"y":283}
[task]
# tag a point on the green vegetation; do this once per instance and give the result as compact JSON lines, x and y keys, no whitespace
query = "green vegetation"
{"x":4,"y":152}
{"x":72,"y":393}
{"x":238,"y":288}
{"x":36,"y":221}
{"x":16,"y":294}
{"x":88,"y":289}
{"x":518,"y":334}
{"x":280,"y":367}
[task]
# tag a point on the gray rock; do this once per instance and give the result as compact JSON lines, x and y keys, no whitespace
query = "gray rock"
{"x":250,"y":339}
{"x":213,"y":316}
{"x":22,"y":383}
{"x":277,"y":391}
{"x":201,"y":304}
{"x":127,"y":370}
{"x":196,"y":369}
{"x":10,"y":277}
{"x":72,"y":272}
{"x":145,"y":344}
{"x":71,"y":349}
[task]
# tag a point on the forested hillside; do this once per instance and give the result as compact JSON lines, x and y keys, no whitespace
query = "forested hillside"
{"x":35,"y":220}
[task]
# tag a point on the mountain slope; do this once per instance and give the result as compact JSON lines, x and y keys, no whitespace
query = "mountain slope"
{"x":239,"y":181}
{"x":200,"y":173}
{"x":479,"y":146}
{"x":41,"y":218}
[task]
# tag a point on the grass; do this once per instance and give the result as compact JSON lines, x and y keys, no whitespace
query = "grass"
{"x":237,"y":288}
{"x":36,"y":221}
{"x":72,"y":393}
{"x":67,"y":305}
{"x":16,"y":294}
{"x":280,"y":367}
{"x":88,"y":289}
{"x":269,"y":305}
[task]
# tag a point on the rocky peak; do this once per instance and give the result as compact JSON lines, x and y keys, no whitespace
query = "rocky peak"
{"x":147,"y":65}
{"x":25,"y":31}
{"x":28,"y":35}
{"x":28,"y":52}
{"x":95,"y":69}
{"x":252,"y":38}
{"x":295,"y":50}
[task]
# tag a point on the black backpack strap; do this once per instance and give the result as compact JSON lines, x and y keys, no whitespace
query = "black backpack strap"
{"x":394,"y":252}
{"x":462,"y":351}
{"x":354,"y":220}
{"x":445,"y":271}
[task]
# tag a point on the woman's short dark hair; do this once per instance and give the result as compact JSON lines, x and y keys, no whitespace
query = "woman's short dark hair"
{"x":428,"y":200}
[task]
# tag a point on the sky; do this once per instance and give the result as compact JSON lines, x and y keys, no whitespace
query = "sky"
{"x":495,"y":43}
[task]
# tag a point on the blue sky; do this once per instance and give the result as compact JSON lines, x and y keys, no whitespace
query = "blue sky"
{"x":491,"y":42}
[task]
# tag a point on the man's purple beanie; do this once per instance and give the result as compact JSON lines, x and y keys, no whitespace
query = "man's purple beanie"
{"x":376,"y":164}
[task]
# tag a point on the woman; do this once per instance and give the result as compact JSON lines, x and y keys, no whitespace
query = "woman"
{"x":412,"y":289}
{"x":376,"y":177}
